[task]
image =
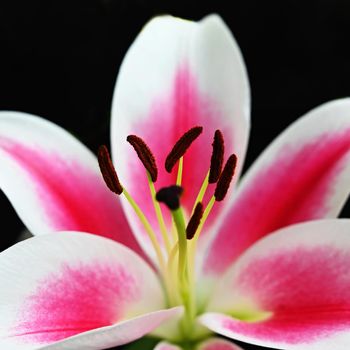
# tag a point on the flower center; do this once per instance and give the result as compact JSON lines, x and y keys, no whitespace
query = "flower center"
{"x":177,"y":259}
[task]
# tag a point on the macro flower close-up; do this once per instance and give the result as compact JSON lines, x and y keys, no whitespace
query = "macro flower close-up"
{"x":161,"y":236}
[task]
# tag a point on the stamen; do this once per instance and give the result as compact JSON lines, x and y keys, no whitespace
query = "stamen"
{"x":148,"y":229}
{"x":111,"y":179}
{"x":180,"y":171}
{"x":194,"y":222}
{"x":145,"y":155}
{"x":225,"y":178}
{"x":217,"y":157}
{"x":159,"y":214}
{"x":170,"y":196}
{"x":108,"y":171}
{"x":202,"y":191}
{"x":181,"y":147}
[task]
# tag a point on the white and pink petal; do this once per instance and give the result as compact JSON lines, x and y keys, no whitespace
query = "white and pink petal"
{"x":303,"y":175}
{"x":75,"y":290}
{"x":176,"y":75}
{"x":122,"y":333}
{"x":290,"y":290}
{"x":53,"y":181}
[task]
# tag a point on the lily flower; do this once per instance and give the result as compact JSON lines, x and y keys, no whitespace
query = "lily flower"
{"x":167,"y":248}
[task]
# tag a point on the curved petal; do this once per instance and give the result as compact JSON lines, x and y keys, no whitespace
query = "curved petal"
{"x":77,"y":286}
{"x":217,"y":344}
{"x":119,"y":334}
{"x":303,"y":175}
{"x":290,"y":290}
{"x":53,"y":181}
{"x":176,"y":75}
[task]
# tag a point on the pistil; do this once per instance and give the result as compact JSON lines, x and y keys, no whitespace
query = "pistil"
{"x":170,"y":196}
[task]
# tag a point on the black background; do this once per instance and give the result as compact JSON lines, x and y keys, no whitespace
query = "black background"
{"x":59,"y":60}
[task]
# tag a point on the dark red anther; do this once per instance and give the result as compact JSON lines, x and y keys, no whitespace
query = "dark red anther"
{"x":145,"y":155}
{"x":217,"y":157}
{"x":195,"y":220}
{"x":108,"y":171}
{"x":225,"y":178}
{"x":181,"y":147}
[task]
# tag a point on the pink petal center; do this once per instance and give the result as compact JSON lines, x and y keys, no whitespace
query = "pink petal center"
{"x":72,"y":196}
{"x":305,"y":291}
{"x":75,"y":300}
{"x":294,"y":187}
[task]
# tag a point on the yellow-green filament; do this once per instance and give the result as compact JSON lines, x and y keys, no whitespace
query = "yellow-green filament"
{"x":206,"y":213}
{"x":159,"y":214}
{"x":202,"y":191}
{"x":173,"y":252}
{"x":171,"y":289}
{"x":179,"y":172}
{"x":193,"y":242}
{"x":172,"y":272}
{"x":148,"y":229}
{"x":168,"y":284}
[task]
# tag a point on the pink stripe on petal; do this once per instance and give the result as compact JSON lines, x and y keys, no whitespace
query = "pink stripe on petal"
{"x":119,"y":334}
{"x":297,"y":185}
{"x":74,"y":285}
{"x":72,"y":196}
{"x":186,"y":107}
{"x":304,"y":289}
{"x":76,"y":300}
{"x":299,"y":277}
